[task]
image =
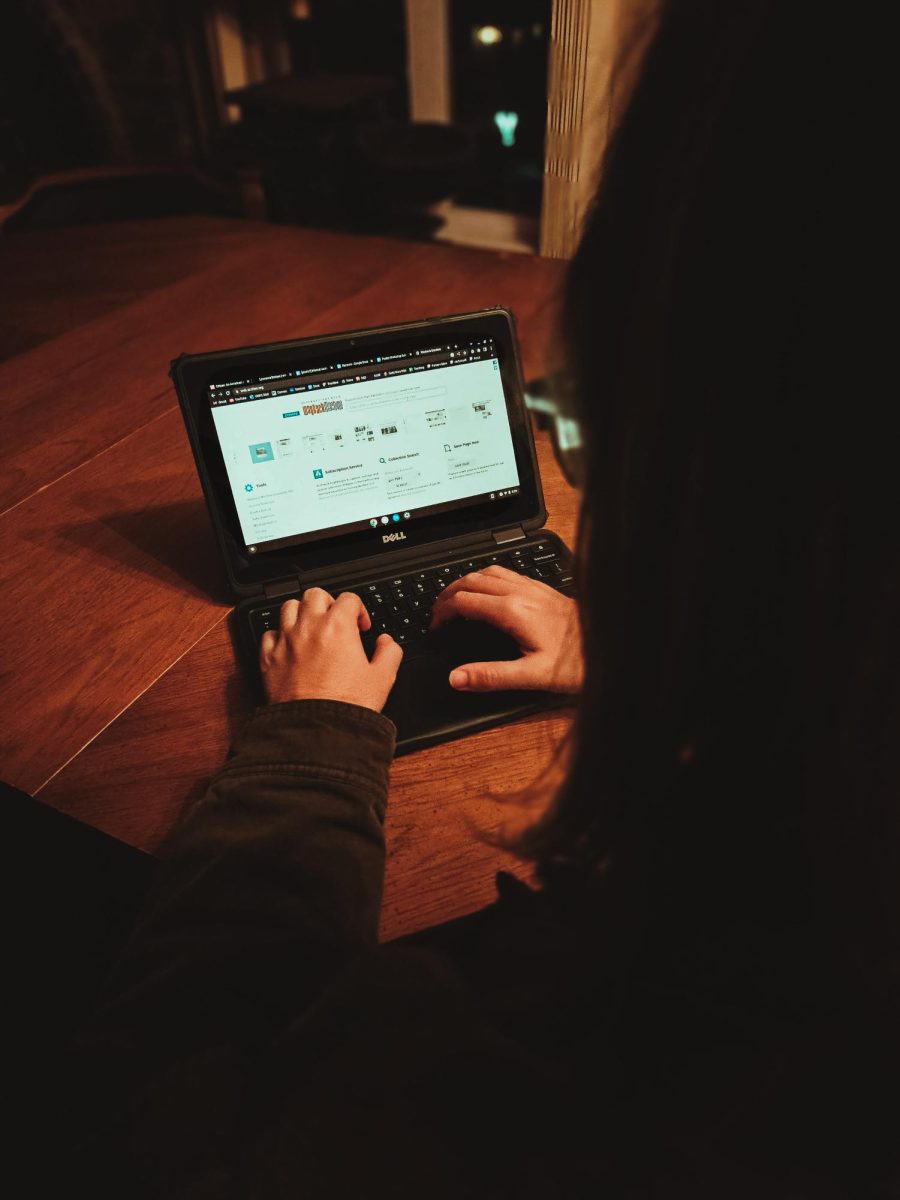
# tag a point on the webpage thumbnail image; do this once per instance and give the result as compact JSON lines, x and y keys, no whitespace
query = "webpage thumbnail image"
{"x":355,"y":452}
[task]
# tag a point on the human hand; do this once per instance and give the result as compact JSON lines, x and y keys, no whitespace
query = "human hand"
{"x":317,"y":653}
{"x":542,"y":621}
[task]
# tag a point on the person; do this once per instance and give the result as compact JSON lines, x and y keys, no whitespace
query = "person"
{"x":700,"y":997}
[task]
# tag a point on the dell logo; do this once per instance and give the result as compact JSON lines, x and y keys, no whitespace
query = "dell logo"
{"x":393,"y":537}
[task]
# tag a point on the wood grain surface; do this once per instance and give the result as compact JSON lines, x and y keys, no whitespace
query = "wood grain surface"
{"x":119,"y":688}
{"x":55,"y":280}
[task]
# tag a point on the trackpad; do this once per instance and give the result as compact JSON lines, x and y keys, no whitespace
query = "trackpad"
{"x":422,"y":700}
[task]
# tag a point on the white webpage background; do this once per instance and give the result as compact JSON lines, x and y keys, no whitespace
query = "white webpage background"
{"x":397,"y":444}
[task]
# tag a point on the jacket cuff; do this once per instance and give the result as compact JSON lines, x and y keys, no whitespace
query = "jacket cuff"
{"x":328,"y":738}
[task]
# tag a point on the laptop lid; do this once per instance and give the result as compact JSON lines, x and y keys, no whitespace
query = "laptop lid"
{"x":362,"y":450}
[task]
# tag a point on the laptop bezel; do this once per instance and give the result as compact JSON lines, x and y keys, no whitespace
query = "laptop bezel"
{"x":254,"y":576}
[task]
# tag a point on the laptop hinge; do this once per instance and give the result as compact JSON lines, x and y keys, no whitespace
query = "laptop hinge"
{"x":284,"y":587}
{"x":514,"y":534}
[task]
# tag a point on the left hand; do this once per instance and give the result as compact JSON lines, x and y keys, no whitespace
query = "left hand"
{"x":317,"y":653}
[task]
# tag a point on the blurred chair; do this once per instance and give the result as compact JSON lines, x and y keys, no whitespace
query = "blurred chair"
{"x":301,"y":132}
{"x":94,"y":195}
{"x":407,"y":166}
{"x":330,"y":155}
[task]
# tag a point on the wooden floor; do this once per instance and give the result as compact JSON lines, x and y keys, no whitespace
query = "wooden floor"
{"x":119,"y":689}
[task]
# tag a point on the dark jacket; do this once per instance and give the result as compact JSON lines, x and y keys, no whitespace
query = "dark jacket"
{"x":255,"y":1040}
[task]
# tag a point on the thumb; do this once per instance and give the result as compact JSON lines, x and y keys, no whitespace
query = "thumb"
{"x":387,"y":656}
{"x":493,"y":676}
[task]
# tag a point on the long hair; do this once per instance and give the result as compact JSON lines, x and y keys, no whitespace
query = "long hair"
{"x":738,"y":547}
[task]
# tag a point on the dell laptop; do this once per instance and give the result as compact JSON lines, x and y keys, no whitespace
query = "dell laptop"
{"x":387,"y":462}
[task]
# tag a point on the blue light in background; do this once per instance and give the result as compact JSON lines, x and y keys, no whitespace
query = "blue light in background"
{"x":506,"y":122}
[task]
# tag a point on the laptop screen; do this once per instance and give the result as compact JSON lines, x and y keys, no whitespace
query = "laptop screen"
{"x":337,"y":445}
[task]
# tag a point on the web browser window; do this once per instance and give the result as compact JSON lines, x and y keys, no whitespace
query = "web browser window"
{"x":315,"y":451}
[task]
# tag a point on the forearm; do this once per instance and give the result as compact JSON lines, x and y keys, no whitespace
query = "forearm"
{"x":275,"y":876}
{"x":269,"y":888}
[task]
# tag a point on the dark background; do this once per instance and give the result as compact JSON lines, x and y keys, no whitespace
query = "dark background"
{"x":323,"y":136}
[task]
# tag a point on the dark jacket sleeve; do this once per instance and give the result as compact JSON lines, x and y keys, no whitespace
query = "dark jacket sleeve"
{"x":269,"y":889}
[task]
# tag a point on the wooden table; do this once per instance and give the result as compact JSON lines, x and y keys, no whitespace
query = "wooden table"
{"x":119,"y":689}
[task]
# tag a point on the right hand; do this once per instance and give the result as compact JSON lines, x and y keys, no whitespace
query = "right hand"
{"x":541,"y":619}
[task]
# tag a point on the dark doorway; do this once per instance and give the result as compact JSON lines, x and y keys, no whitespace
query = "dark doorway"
{"x":499,"y":66}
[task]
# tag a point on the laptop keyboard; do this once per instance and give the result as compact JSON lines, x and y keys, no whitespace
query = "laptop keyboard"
{"x":401,"y":604}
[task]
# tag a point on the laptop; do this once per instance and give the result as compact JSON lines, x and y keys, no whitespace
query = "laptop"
{"x":387,"y":462}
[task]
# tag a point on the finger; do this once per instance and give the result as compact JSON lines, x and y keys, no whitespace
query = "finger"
{"x":500,"y":572}
{"x":317,"y":601}
{"x":494,"y":580}
{"x":477,"y":582}
{"x":387,"y":656}
{"x":290,"y":614}
{"x":352,"y":605}
{"x":267,"y":646}
{"x":493,"y":676}
{"x":475,"y":606}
